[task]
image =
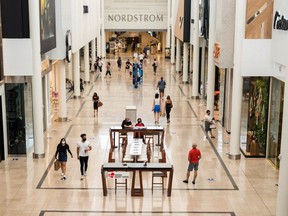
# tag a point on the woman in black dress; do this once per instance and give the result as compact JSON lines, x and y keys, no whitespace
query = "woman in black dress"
{"x":95,"y":100}
{"x":62,"y":149}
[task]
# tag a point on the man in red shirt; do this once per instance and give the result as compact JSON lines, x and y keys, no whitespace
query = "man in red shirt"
{"x":193,"y":157}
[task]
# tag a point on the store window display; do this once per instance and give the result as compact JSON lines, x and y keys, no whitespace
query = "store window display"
{"x":256,"y":98}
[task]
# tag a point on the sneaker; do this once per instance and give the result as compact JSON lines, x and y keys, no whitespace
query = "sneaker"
{"x":85,"y":174}
{"x":64,"y":177}
{"x":193,"y":182}
{"x":185,"y":181}
{"x":82,"y":177}
{"x":62,"y":174}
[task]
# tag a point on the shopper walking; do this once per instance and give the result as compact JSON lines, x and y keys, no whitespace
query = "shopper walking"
{"x":193,"y":157}
{"x":161,"y":85}
{"x":95,"y":99}
{"x":119,"y":63}
{"x":155,"y":65}
{"x":100,"y":64}
{"x":208,"y":121}
{"x":83,"y":148}
{"x":108,"y":69}
{"x":156,"y":108}
{"x":168,"y":107}
{"x":61,"y":152}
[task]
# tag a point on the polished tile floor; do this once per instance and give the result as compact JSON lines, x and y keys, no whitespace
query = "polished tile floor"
{"x":223,"y":187}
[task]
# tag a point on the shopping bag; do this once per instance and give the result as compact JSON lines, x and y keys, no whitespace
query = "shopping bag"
{"x":204,"y":138}
{"x":56,"y":165}
{"x":212,"y":126}
{"x":100,"y":104}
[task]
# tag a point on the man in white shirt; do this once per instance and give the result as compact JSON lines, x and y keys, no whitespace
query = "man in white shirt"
{"x":83,"y":148}
{"x":141,"y":57}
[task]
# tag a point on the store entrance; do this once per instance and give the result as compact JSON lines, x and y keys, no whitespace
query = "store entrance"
{"x":148,"y":43}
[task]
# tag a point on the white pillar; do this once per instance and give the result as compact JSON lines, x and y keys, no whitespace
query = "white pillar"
{"x":61,"y":78}
{"x":86,"y":64}
{"x":37,"y":97}
{"x":76,"y":69}
{"x":178,"y":55}
{"x":93,"y":50}
{"x":168,"y":33}
{"x":103,"y":36}
{"x":282,"y":197}
{"x":195,"y":82}
{"x":237,"y":80}
{"x":185,"y":61}
{"x":203,"y":68}
{"x":172,"y":50}
{"x":211,"y":65}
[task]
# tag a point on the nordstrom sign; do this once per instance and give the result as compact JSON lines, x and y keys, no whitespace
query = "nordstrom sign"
{"x":135,"y":18}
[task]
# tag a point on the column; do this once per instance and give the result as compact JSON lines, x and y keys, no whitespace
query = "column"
{"x":282,"y":196}
{"x":37,"y":97}
{"x":185,"y":61}
{"x":168,"y":25}
{"x":86,"y":64}
{"x":203,"y":68}
{"x":93,"y":50}
{"x":237,"y":81}
{"x":211,"y":65}
{"x":195,"y":82}
{"x":76,"y":69}
{"x":172,"y":51}
{"x":178,"y":55}
{"x":103,"y":37}
{"x":61,"y":78}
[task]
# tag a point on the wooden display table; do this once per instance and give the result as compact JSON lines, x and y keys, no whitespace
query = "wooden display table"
{"x":149,"y":130}
{"x":137,"y":167}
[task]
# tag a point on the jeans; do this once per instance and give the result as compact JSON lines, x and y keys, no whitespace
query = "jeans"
{"x":83,"y":164}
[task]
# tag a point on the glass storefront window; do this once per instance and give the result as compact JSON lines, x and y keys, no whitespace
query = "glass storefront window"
{"x":276,"y":115}
{"x":14,"y":94}
{"x":254,"y":116}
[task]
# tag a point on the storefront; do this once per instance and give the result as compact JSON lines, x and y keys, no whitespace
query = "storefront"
{"x":254,"y":120}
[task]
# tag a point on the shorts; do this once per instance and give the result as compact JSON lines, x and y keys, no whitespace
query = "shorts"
{"x":192,"y":166}
{"x":156,"y":108}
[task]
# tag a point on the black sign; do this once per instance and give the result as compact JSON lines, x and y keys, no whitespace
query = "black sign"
{"x":280,"y":22}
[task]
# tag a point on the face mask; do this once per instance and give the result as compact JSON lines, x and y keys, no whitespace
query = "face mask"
{"x":63,"y":142}
{"x":139,"y":121}
{"x":84,"y":139}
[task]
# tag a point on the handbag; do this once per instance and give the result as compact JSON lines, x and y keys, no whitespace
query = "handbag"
{"x":100,"y":103}
{"x":56,"y":165}
{"x":212,"y":126}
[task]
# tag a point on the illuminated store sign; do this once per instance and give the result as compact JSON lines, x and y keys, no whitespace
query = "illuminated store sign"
{"x":280,"y":22}
{"x":135,"y":18}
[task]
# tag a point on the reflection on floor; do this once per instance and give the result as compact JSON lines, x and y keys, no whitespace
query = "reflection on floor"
{"x":223,"y":187}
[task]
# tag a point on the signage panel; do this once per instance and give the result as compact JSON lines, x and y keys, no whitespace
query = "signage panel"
{"x":135,"y":15}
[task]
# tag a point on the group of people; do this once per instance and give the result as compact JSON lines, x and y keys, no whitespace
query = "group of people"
{"x":83,"y":148}
{"x":159,"y":106}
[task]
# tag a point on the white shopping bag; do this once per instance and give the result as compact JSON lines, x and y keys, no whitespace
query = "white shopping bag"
{"x":204,"y":138}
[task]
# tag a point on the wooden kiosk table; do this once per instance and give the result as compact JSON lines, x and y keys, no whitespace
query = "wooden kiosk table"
{"x":137,"y":167}
{"x":149,"y":130}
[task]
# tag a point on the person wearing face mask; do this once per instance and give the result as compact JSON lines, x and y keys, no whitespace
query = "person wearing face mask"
{"x":62,"y":149}
{"x":83,"y":148}
{"x":139,"y":134}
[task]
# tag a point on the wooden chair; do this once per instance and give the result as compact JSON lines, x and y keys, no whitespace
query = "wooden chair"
{"x":120,"y":184}
{"x":157,"y":183}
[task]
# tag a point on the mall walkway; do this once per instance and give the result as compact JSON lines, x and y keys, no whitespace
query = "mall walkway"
{"x":223,"y":187}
